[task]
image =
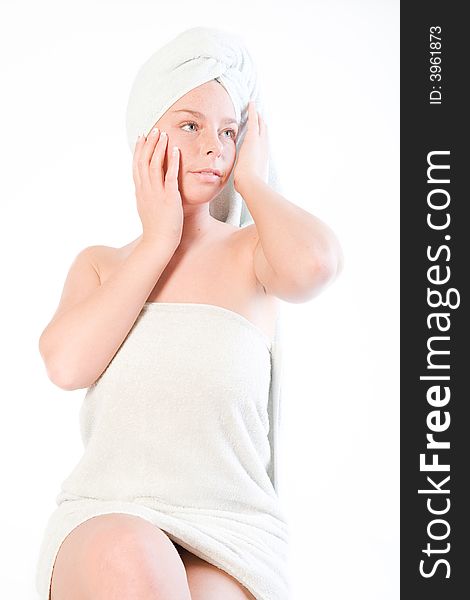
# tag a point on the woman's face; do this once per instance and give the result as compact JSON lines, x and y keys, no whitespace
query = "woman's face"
{"x":206,"y":140}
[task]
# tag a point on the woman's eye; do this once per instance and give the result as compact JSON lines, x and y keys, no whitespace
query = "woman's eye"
{"x":188,"y":124}
{"x":232,"y":131}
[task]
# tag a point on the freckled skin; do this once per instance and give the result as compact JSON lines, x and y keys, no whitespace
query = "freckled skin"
{"x":213,"y":262}
{"x":122,"y":554}
{"x":205,"y":142}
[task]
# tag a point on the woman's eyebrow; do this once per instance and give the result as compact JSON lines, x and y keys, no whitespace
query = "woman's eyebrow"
{"x":201,"y":116}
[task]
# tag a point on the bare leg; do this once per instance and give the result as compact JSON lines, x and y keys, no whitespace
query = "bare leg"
{"x":208,"y":582}
{"x":118,"y":557}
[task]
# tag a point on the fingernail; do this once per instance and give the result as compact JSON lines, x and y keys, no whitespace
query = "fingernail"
{"x":155,"y":131}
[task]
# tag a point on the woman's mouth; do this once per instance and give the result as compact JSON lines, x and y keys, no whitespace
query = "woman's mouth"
{"x":206,"y":177}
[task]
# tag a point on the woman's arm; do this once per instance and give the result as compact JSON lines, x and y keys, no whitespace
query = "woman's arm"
{"x":92,"y":320}
{"x":297,"y":254}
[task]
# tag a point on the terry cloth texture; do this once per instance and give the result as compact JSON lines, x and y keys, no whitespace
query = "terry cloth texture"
{"x":194,"y":57}
{"x":196,"y":374}
{"x":176,"y":431}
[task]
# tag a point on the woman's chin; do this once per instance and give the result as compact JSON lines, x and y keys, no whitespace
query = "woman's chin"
{"x":199,"y":194}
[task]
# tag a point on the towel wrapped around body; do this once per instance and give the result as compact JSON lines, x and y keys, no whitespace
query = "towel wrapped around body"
{"x":176,"y":431}
{"x":182,"y":428}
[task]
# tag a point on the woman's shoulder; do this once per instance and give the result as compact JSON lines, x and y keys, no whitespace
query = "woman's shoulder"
{"x":241,"y":239}
{"x":101,"y":256}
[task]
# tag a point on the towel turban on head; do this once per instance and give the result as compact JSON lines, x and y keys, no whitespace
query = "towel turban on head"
{"x":194,"y":57}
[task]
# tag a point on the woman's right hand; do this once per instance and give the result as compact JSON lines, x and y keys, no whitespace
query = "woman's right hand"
{"x":159,"y":201}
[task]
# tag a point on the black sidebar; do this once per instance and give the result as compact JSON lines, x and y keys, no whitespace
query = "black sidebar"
{"x":434,"y":263}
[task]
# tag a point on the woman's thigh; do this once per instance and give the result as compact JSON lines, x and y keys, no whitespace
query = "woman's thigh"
{"x":117,"y":555}
{"x":208,"y":582}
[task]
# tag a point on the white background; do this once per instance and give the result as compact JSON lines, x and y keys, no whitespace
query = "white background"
{"x":330,"y":76}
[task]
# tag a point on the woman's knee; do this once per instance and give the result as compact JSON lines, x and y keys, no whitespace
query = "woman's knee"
{"x":119,"y":555}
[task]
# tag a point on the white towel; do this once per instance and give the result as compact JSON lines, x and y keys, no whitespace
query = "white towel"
{"x":175,"y":431}
{"x":243,"y":532}
{"x":192,"y":58}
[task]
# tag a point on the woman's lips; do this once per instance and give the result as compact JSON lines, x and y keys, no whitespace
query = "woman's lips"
{"x":206,"y":177}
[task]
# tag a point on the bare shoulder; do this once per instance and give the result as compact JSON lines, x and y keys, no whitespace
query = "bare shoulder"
{"x":103,"y":257}
{"x":230,"y":246}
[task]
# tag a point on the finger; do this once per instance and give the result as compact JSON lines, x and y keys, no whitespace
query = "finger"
{"x":135,"y":167}
{"x":143,"y":159}
{"x":171,"y":177}
{"x":251,"y":114}
{"x":255,"y":116}
{"x":258,"y":120}
{"x":263,"y":128}
{"x":156,"y":171}
{"x":149,"y":146}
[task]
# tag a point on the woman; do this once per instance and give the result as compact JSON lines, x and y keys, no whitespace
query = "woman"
{"x":171,"y":334}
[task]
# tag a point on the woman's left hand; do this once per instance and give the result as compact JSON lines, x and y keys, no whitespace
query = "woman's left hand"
{"x":253,"y":156}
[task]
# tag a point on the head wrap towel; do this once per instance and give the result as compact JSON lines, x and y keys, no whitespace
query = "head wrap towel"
{"x":194,"y":57}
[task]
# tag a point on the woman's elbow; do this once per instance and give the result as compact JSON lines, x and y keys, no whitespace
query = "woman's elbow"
{"x":321,"y":275}
{"x":326,"y":268}
{"x":59,"y":377}
{"x":59,"y":374}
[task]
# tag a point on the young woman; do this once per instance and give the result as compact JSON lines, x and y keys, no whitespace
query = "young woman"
{"x":172,"y":334}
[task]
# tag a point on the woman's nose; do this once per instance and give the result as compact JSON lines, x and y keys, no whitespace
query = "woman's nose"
{"x":212,"y":143}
